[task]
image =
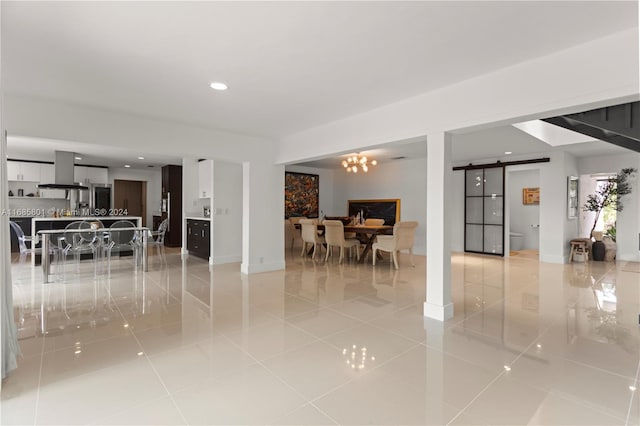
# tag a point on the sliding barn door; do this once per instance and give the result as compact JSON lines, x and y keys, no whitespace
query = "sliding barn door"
{"x":484,"y":211}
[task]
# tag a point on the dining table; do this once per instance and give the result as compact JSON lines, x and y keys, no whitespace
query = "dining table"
{"x":44,"y":239}
{"x":367,"y":231}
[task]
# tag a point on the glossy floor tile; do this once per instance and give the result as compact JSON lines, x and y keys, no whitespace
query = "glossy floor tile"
{"x":327,"y":343}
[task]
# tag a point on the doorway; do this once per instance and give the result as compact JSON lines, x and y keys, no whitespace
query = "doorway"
{"x":524,"y":212}
{"x":606,"y":221}
{"x":129,"y":198}
{"x":484,"y":210}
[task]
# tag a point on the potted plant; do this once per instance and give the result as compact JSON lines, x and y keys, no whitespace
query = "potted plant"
{"x":608,"y":195}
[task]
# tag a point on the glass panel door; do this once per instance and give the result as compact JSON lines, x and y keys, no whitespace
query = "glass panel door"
{"x":484,"y":211}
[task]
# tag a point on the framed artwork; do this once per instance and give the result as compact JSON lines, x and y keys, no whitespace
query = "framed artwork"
{"x":301,"y":194}
{"x":388,"y":209}
{"x":530,"y":196}
{"x":572,"y":197}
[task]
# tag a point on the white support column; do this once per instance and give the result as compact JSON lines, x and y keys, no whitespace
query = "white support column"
{"x":438,"y":304}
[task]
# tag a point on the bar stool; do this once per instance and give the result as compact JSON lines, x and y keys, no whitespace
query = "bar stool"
{"x":580,"y":245}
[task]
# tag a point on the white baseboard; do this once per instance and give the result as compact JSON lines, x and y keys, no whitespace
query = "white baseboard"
{"x":437,"y":312}
{"x":220,"y":260}
{"x":261,"y":267}
{"x":553,"y":258}
{"x":628,"y":258}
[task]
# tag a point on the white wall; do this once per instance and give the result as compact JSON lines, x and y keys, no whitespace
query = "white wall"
{"x":628,"y":220}
{"x":457,"y":210}
{"x":403,"y":179}
{"x":522,"y":216}
{"x":153,"y":177}
{"x":326,"y":197}
{"x":571,"y":226}
{"x":226,"y":212}
{"x":556,"y":230}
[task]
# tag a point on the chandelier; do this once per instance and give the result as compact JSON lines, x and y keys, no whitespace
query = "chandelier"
{"x":357,"y":161}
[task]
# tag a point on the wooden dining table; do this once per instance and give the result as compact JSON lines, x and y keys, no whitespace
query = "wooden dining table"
{"x":369,"y":232}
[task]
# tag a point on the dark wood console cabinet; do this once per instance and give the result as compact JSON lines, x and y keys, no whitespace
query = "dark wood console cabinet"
{"x":198,"y":238}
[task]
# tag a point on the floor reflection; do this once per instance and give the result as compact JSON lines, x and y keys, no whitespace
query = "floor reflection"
{"x":328,"y":343}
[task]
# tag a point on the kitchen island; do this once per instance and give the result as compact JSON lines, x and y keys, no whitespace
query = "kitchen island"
{"x":51,"y":223}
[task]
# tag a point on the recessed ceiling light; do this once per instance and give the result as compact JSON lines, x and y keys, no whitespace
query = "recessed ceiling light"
{"x":216,"y":85}
{"x":140,"y":158}
{"x":508,"y":153}
{"x":78,"y":158}
{"x":127,"y":165}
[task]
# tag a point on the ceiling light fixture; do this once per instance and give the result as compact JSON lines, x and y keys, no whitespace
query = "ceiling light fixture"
{"x":357,"y":161}
{"x":127,"y":166}
{"x":216,"y":85}
{"x":140,"y":158}
{"x":78,"y":158}
{"x":508,"y":152}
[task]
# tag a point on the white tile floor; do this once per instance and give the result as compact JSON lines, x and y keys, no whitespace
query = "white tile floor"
{"x":320,"y":343}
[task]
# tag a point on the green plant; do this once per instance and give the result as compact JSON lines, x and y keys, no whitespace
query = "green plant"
{"x":611,"y":232}
{"x":609,"y":195}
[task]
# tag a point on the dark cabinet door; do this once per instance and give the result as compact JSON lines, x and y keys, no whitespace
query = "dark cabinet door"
{"x":172,"y":192}
{"x":198,"y":238}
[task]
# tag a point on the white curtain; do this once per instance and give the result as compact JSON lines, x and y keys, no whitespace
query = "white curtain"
{"x":8,"y":333}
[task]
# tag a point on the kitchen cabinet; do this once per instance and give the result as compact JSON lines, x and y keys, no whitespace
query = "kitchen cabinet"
{"x":205,"y":179}
{"x":172,"y":204}
{"x":87,"y":175}
{"x":23,"y":171}
{"x":47,"y":173}
{"x":198,"y":238}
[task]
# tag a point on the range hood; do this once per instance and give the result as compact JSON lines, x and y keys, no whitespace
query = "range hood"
{"x":64,"y":173}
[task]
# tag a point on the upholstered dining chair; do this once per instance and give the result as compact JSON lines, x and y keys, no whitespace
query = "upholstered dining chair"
{"x":309,"y":233}
{"x":373,"y":222}
{"x":294,"y":233}
{"x":334,"y":236}
{"x":402,"y":239}
{"x":368,"y":222}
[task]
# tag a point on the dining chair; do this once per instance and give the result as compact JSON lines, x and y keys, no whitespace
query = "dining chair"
{"x":23,"y":240}
{"x":368,"y":222}
{"x":402,"y":239}
{"x":334,"y":236}
{"x":294,"y":233}
{"x":157,"y":237}
{"x":78,"y":238}
{"x":309,"y":233}
{"x":122,"y":240}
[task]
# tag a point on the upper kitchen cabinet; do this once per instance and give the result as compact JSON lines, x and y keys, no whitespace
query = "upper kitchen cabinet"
{"x":86,"y":174}
{"x":24,"y":171}
{"x":47,"y":173}
{"x":205,"y":178}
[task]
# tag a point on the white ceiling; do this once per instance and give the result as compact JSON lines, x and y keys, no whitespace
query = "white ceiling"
{"x":289,"y":65}
{"x":25,"y":148}
{"x":479,"y":145}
